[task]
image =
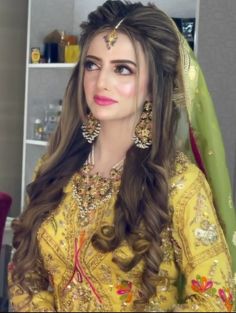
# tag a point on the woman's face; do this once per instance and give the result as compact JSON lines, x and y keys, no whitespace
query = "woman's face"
{"x":113,"y":88}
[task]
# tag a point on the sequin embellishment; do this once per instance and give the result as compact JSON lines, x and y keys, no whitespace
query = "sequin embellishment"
{"x":207,"y":234}
{"x":90,"y":191}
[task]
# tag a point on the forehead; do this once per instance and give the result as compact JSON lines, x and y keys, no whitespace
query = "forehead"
{"x":123,"y":48}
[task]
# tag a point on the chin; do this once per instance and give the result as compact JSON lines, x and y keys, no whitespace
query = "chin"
{"x":105,"y":118}
{"x":103,"y":114}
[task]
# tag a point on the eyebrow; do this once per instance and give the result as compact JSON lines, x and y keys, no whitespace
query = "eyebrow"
{"x":113,"y":61}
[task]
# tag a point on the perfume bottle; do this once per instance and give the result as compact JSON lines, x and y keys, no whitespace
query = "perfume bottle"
{"x":51,"y":120}
{"x":38,"y":129}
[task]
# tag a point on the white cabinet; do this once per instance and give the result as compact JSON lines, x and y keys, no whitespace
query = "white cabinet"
{"x":46,"y":83}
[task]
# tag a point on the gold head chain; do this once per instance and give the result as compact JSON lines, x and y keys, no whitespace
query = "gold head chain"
{"x":111,"y":38}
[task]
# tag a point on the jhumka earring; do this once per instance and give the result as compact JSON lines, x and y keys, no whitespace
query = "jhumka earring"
{"x":111,"y":38}
{"x":91,"y":128}
{"x":143,"y":131}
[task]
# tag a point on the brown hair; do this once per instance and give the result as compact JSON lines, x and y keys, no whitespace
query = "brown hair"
{"x":141,"y":209}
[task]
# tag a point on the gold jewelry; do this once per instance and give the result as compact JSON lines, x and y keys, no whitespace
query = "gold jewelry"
{"x":143,"y":131}
{"x":111,"y":38}
{"x":92,"y":190}
{"x":91,"y":128}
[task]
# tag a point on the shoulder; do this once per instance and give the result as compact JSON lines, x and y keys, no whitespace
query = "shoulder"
{"x":186,"y":177}
{"x":183,"y":165}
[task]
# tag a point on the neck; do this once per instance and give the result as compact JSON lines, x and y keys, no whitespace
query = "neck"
{"x":114,"y":139}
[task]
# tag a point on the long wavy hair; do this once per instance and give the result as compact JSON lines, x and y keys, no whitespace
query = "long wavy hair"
{"x":141,"y":208}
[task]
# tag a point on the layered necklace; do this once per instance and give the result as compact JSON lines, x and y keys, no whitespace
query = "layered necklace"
{"x":92,"y":190}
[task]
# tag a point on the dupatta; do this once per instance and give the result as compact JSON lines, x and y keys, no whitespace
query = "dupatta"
{"x":199,"y":136}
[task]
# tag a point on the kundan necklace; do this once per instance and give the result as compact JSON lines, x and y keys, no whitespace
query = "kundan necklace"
{"x":92,"y":190}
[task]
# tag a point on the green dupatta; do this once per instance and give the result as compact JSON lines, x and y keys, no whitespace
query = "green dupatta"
{"x":202,"y":140}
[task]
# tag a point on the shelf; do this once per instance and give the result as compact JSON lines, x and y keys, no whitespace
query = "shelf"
{"x":36,"y":142}
{"x":51,"y":65}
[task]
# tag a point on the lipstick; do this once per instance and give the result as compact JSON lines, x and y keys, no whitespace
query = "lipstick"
{"x":104,"y":101}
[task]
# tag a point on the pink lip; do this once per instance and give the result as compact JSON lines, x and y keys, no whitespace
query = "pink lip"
{"x":100,"y":100}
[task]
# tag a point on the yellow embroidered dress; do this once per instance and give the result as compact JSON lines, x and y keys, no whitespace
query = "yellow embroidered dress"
{"x":83,"y":279}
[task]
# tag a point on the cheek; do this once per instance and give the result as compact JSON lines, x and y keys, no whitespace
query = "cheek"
{"x":128,"y":89}
{"x":89,"y":83}
{"x":86,"y":83}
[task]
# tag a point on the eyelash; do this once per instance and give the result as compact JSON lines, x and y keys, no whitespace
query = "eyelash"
{"x":117,"y":69}
{"x":88,"y":64}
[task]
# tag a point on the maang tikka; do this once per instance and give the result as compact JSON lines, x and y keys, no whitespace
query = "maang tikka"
{"x":111,"y":38}
{"x":143,"y":131}
{"x":91,"y":128}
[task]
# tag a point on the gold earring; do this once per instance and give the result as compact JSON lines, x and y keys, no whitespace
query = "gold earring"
{"x":143,"y":131}
{"x":91,"y":128}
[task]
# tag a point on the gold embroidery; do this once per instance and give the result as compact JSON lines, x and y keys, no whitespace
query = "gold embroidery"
{"x":181,"y":164}
{"x":193,"y":259}
{"x":53,"y":245}
{"x":177,"y":252}
{"x":96,"y":260}
{"x":167,"y":247}
{"x":179,"y":184}
{"x":163,"y":282}
{"x":105,"y":274}
{"x":213,"y":268}
{"x":200,"y":209}
{"x":153,"y":306}
{"x":90,"y":191}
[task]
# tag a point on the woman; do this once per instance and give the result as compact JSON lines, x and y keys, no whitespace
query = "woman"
{"x":118,"y":219}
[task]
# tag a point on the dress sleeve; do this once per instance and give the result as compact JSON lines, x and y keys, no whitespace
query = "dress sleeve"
{"x":201,"y":249}
{"x":42,"y":299}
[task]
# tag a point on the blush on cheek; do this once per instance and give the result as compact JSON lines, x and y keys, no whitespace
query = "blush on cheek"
{"x":127,"y":90}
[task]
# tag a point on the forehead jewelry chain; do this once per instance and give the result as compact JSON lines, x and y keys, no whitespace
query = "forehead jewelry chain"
{"x":111,"y":38}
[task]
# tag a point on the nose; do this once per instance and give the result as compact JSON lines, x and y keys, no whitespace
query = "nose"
{"x":103,"y":80}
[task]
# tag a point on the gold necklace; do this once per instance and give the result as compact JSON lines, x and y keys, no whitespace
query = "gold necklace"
{"x":92,"y":190}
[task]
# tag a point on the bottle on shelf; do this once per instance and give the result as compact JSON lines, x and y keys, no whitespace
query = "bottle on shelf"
{"x":61,"y":47}
{"x":59,"y":110}
{"x":35,"y":55}
{"x":51,"y":120}
{"x":38,"y":129}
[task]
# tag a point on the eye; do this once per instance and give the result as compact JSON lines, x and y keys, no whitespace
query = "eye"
{"x":123,"y":70}
{"x":90,"y":66}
